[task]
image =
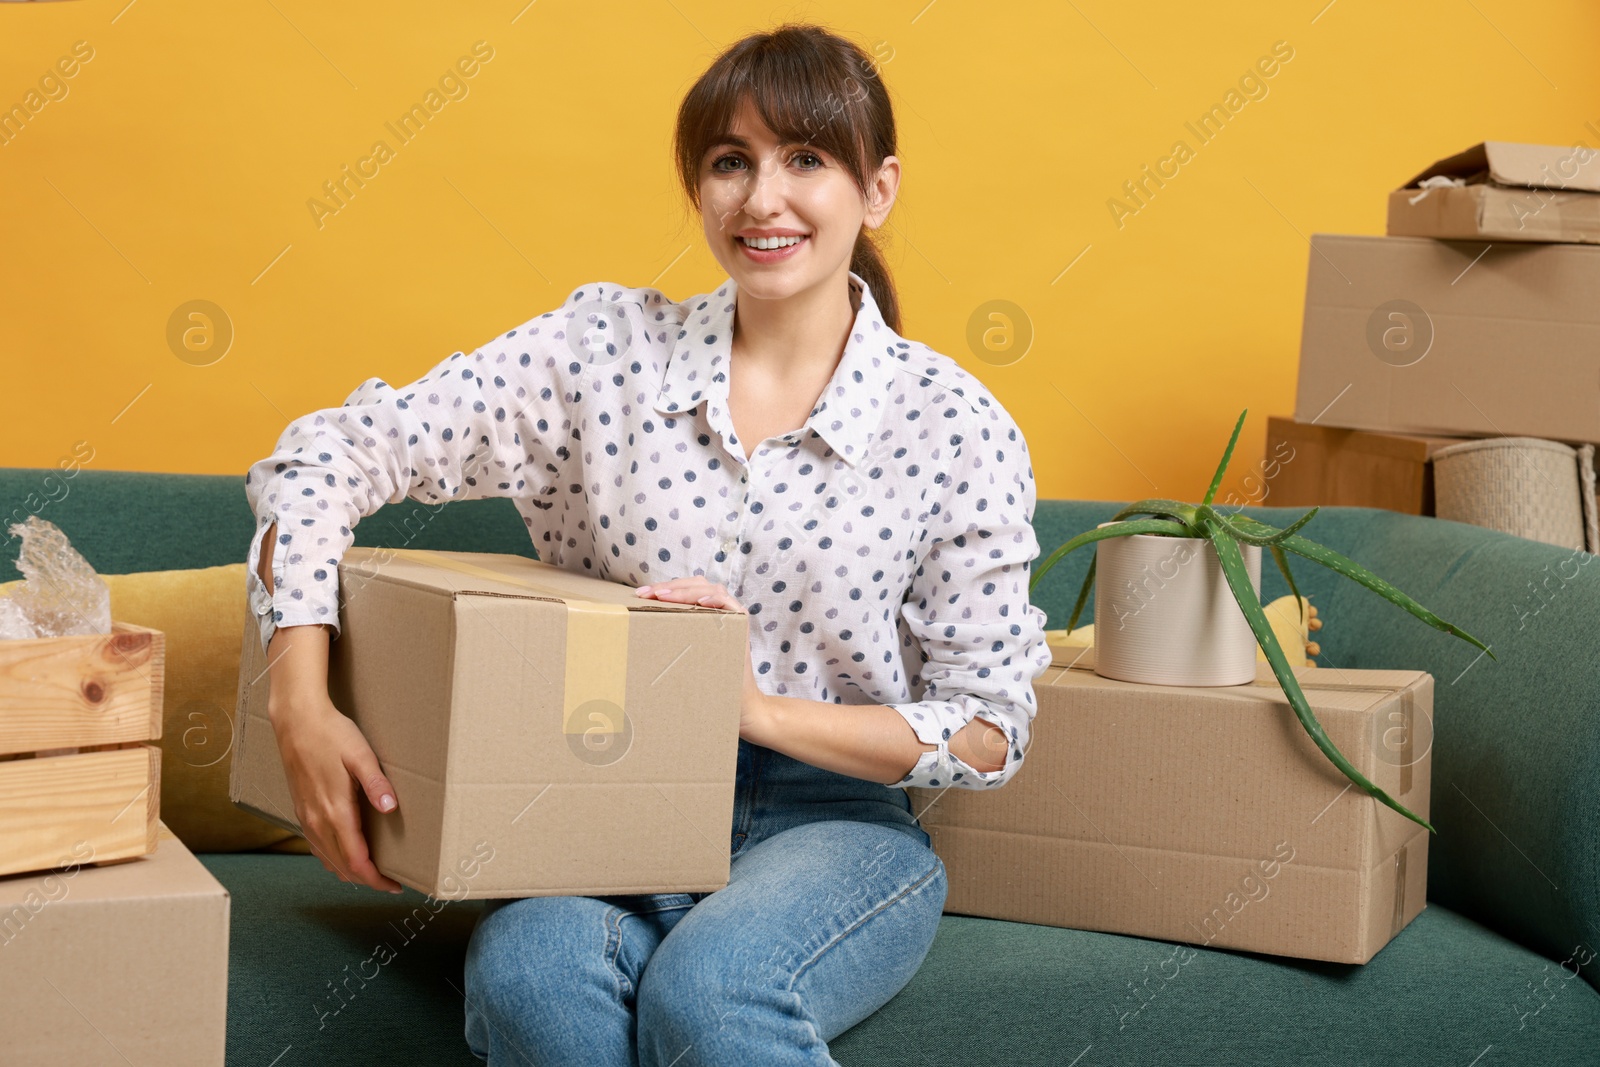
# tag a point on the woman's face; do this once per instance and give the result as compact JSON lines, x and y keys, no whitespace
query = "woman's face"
{"x":751,"y":184}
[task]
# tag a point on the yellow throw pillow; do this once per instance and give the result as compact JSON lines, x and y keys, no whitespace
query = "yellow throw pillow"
{"x":201,"y":612}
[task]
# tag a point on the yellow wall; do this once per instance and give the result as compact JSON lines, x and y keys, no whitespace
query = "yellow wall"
{"x":179,"y":163}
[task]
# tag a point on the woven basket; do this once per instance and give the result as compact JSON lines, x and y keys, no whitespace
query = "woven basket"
{"x":1525,"y":486}
{"x":1591,"y":501}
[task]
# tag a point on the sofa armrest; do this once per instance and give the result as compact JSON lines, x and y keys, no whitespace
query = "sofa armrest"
{"x":1516,"y":750}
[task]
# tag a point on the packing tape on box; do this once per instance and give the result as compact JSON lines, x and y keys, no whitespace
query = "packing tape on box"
{"x":1398,"y":919}
{"x":593,"y":692}
{"x":1402,"y":718}
{"x":1408,"y":718}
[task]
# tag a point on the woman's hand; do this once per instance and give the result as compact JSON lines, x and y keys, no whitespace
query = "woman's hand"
{"x":697,"y":589}
{"x":326,"y":759}
{"x":330,"y":767}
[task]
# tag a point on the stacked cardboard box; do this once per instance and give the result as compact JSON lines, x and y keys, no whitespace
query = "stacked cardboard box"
{"x":1202,"y":815}
{"x":1473,"y":317}
{"x":118,"y":962}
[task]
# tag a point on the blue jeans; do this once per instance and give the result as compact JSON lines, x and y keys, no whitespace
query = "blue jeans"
{"x":833,"y":900}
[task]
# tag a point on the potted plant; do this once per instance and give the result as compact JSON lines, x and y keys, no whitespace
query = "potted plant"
{"x":1225,"y":534}
{"x":1164,"y":616}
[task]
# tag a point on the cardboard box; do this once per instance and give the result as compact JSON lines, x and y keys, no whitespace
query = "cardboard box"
{"x":1203,"y":814}
{"x":1309,"y":464}
{"x":1507,"y":192}
{"x":547,"y":733}
{"x":75,"y":712}
{"x":116,"y":963}
{"x":1451,"y":338}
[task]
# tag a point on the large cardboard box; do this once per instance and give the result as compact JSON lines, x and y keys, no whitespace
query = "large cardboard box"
{"x":1202,"y":814}
{"x":1506,"y":192}
{"x":1309,"y":464}
{"x":115,"y":963}
{"x":1451,"y":338}
{"x":547,"y":733}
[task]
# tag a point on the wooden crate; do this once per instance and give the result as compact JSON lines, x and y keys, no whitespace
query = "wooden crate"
{"x":1307,"y":465}
{"x":100,"y":694}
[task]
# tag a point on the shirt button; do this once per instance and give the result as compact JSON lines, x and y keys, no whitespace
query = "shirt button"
{"x":729,"y":545}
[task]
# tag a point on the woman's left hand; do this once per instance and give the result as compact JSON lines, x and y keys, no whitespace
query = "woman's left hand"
{"x":697,"y":589}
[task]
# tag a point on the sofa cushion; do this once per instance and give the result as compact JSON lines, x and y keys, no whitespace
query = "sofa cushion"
{"x":306,"y":970}
{"x":341,"y":973}
{"x":1442,"y":992}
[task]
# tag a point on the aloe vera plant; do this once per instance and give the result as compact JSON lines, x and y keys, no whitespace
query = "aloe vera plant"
{"x":1174,"y":518}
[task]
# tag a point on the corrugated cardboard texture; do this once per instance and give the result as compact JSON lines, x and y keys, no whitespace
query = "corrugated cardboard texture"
{"x":1513,"y":192}
{"x":1203,"y":815}
{"x":1507,"y":338}
{"x":1311,"y":464}
{"x":459,"y":683}
{"x":125,"y":962}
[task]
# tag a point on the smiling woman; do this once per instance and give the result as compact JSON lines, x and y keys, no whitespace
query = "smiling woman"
{"x":774,"y":446}
{"x":869,"y":505}
{"x":821,"y":126}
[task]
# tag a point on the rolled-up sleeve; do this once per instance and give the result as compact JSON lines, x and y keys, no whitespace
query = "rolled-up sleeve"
{"x":477,"y":425}
{"x":981,"y":643}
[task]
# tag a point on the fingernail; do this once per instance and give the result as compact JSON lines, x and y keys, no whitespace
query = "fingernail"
{"x":386,"y":802}
{"x":643,"y":589}
{"x":397,"y":890}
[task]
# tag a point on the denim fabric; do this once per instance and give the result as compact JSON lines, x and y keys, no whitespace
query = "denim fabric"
{"x":833,"y":900}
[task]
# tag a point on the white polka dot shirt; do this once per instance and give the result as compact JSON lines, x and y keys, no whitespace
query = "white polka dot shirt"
{"x":882,"y":550}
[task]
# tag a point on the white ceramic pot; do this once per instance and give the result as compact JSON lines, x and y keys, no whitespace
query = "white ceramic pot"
{"x":1163,"y":612}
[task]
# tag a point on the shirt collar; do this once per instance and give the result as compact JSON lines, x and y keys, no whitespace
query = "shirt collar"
{"x":849,"y":409}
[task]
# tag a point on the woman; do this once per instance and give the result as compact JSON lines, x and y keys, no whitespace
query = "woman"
{"x":774,"y":447}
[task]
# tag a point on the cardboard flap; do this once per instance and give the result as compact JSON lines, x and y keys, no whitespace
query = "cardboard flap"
{"x":1539,"y":166}
{"x":1469,"y":165}
{"x":1081,"y":656}
{"x":497,"y":574}
{"x":1530,"y":166}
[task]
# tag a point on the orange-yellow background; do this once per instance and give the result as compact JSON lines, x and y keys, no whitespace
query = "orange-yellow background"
{"x":179,"y":164}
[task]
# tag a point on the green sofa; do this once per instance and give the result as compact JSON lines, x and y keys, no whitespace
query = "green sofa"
{"x":1485,"y":975}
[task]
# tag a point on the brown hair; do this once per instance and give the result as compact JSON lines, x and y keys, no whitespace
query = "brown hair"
{"x":810,"y":86}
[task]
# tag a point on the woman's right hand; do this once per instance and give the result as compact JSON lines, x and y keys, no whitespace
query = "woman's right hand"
{"x":325,"y":755}
{"x":330,"y":765}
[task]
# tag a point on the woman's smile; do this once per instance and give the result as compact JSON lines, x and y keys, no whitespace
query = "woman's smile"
{"x":785,"y":247}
